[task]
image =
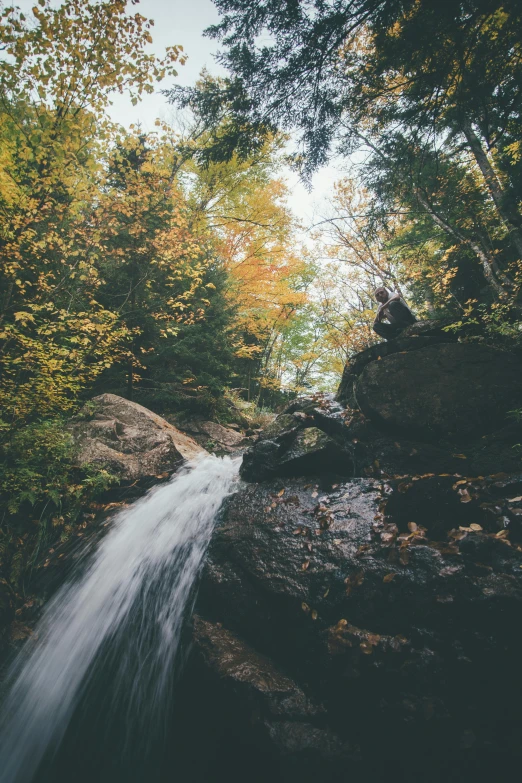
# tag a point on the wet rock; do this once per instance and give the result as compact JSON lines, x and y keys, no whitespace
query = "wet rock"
{"x":131,"y":441}
{"x":254,"y":674}
{"x":312,"y":451}
{"x":441,"y":390}
{"x":417,"y":336}
{"x":290,"y":447}
{"x":284,"y":426}
{"x":392,"y":601}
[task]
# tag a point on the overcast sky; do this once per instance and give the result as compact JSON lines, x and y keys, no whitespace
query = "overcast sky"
{"x":182,"y":22}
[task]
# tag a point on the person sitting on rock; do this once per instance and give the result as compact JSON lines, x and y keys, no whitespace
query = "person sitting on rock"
{"x":394,"y":309}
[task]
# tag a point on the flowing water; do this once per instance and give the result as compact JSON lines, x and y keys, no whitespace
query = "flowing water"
{"x":107,"y":645}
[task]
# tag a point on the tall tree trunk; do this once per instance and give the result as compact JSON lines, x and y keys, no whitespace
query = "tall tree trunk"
{"x":508,"y":213}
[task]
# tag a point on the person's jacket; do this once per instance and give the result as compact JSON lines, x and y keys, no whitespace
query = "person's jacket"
{"x":398,"y":313}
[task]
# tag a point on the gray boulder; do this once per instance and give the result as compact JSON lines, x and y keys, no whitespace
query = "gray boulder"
{"x":129,"y":440}
{"x":203,"y":431}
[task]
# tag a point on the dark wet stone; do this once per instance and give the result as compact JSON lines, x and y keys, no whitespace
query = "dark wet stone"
{"x":406,"y":342}
{"x":442,"y":390}
{"x":391,"y":630}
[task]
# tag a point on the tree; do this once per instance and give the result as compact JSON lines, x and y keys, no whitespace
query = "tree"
{"x":56,"y":81}
{"x":379,"y":74}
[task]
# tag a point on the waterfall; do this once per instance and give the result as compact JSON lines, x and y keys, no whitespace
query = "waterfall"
{"x":123,"y":615}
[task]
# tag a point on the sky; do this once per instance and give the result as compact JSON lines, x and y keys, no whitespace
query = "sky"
{"x":182,"y":22}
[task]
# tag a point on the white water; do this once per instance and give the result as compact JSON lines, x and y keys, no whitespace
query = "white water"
{"x":125,"y":612}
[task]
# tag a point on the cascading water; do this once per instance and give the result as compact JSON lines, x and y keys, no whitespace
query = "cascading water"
{"x":107,"y":642}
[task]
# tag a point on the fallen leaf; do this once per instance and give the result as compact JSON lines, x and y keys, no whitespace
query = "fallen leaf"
{"x":465,"y":497}
{"x":315,"y":493}
{"x":387,"y":538}
{"x":412,"y":527}
{"x":337,"y":541}
{"x":305,"y":565}
{"x":389,"y":577}
{"x":501,"y":534}
{"x":459,"y":456}
{"x":305,"y":607}
{"x":474,"y":526}
{"x":314,"y":614}
{"x":328,"y":590}
{"x":297,"y":532}
{"x":515,"y":500}
{"x":281,"y":493}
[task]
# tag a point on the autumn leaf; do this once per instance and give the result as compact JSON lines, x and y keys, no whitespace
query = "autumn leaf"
{"x":465,"y":497}
{"x":389,"y":577}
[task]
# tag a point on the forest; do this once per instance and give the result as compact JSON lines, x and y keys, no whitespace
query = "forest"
{"x":168,"y":267}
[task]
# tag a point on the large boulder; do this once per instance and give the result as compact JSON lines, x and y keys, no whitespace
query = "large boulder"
{"x":129,"y":440}
{"x":395,"y":604}
{"x":419,"y":335}
{"x":441,"y":390}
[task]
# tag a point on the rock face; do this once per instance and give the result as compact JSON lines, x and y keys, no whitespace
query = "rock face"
{"x":441,"y":390}
{"x":130,"y":440}
{"x":417,"y":336}
{"x":332,"y":596}
{"x":360,"y":604}
{"x":285,"y":717}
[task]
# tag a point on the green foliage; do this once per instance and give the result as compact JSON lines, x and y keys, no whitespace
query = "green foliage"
{"x":185,"y":373}
{"x":41,"y":491}
{"x":243,"y":412}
